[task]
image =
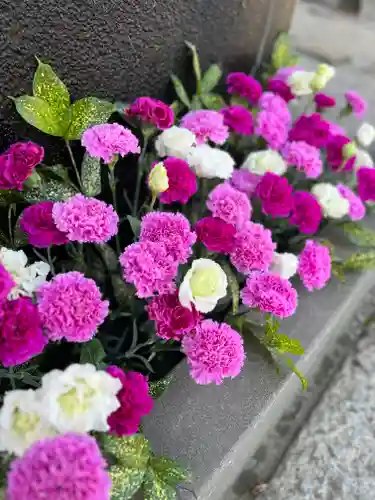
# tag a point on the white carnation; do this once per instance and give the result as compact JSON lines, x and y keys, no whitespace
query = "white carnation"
{"x":264,"y":161}
{"x":210,"y":162}
{"x":300,"y":82}
{"x":333,"y":204}
{"x":204,"y":285}
{"x":175,"y":141}
{"x":365,"y":135}
{"x":79,"y":399}
{"x":363,"y":159}
{"x":284,"y":265}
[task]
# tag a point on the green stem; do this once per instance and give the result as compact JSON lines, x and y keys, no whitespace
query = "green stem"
{"x":74,"y":165}
{"x":50,"y":261}
{"x":112,"y":183}
{"x":139,"y":176}
{"x":153,"y":200}
{"x":11,"y":376}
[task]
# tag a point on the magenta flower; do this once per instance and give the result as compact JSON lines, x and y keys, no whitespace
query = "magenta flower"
{"x":280,"y":88}
{"x":306,"y":212}
{"x":357,"y":209}
{"x":107,"y":140}
{"x":171,"y":230}
{"x":29,"y":152}
{"x":214,"y":351}
{"x":335,"y":153}
{"x":152,"y":111}
{"x":238,"y":119}
{"x":182,"y":182}
{"x":270,"y":294}
{"x":207,"y":125}
{"x":366,"y":183}
{"x":229,"y":204}
{"x":66,"y":467}
{"x":335,"y":128}
{"x":356,"y":103}
{"x":312,"y":129}
{"x":324,"y":101}
{"x":172,"y":320}
{"x":134,"y":399}
{"x":272,"y":128}
{"x":245,"y":181}
{"x":275,"y":104}
{"x":18,"y":163}
{"x":6,"y":283}
{"x":275,"y":193}
{"x":304,"y":157}
{"x":253,"y":248}
{"x":215,"y":234}
{"x":86,"y":220}
{"x":314,"y":267}
{"x":37,"y":222}
{"x":21,"y":335}
{"x":245,"y":86}
{"x":150,"y":266}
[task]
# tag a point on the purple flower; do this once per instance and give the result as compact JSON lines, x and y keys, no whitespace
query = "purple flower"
{"x":304,"y":157}
{"x":272,"y":128}
{"x":311,"y":129}
{"x":356,"y":103}
{"x":324,"y":101}
{"x":306,"y":212}
{"x":275,"y":104}
{"x":366,"y":183}
{"x":18,"y":163}
{"x":37,"y":222}
{"x":275,"y":192}
{"x":6,"y":283}
{"x":215,"y":234}
{"x":314,"y":266}
{"x":229,"y":204}
{"x":238,"y":119}
{"x":29,"y":152}
{"x":182,"y":182}
{"x":214,"y":351}
{"x":245,"y":86}
{"x":357,"y":209}
{"x":335,"y":153}
{"x":152,"y":111}
{"x":335,"y":128}
{"x":206,"y":125}
{"x":245,"y":181}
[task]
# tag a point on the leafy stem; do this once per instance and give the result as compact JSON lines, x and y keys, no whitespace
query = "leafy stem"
{"x":74,"y":164}
{"x":112,"y":183}
{"x":139,"y":175}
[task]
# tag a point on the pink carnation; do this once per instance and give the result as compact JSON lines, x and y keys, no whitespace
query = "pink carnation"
{"x":324,"y":101}
{"x":312,"y":129}
{"x":214,"y":351}
{"x":272,"y":128}
{"x":86,"y":220}
{"x":207,"y":125}
{"x":356,"y":103}
{"x":6,"y":283}
{"x":245,"y":86}
{"x":173,"y":321}
{"x":275,"y":193}
{"x":280,"y":88}
{"x":37,"y":222}
{"x":229,"y":204}
{"x":171,"y":230}
{"x":270,"y":293}
{"x":357,"y":209}
{"x":18,"y":163}
{"x":150,"y":266}
{"x":152,"y":111}
{"x":275,"y":104}
{"x":335,"y":128}
{"x":314,"y":266}
{"x":335,"y":153}
{"x":134,"y":399}
{"x":245,"y":181}
{"x":253,"y":248}
{"x":107,"y":140}
{"x":182,"y":182}
{"x":71,"y":307}
{"x":66,"y":467}
{"x":21,"y":336}
{"x":215,"y":234}
{"x":238,"y":119}
{"x":306,"y":212}
{"x":366,"y":183}
{"x":29,"y":152}
{"x":304,"y":157}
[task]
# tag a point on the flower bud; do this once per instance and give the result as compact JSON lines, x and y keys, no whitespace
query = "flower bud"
{"x":158,"y":179}
{"x":349,"y":150}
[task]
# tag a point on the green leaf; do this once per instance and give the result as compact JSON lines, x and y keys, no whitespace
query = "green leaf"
{"x":85,"y":113}
{"x":233,"y":286}
{"x":213,"y":101}
{"x":20,"y":238}
{"x":7,"y":197}
{"x":57,"y":172}
{"x":135,"y":224}
{"x":359,"y":235}
{"x":4,"y":240}
{"x":48,"y":86}
{"x":196,"y":103}
{"x":130,"y":451}
{"x":92,"y":352}
{"x":50,"y":190}
{"x":156,"y":489}
{"x":125,"y":482}
{"x":180,"y":91}
{"x":290,"y":363}
{"x":196,"y":66}
{"x":168,"y":471}
{"x":211,"y":78}
{"x":338,"y":271}
{"x":281,"y":54}
{"x":272,"y":327}
{"x":359,"y":261}
{"x":283,"y":344}
{"x":41,"y":115}
{"x":156,"y":389}
{"x":91,"y":175}
{"x":109,"y":256}
{"x":237,"y":100}
{"x":124,"y":292}
{"x":177,"y":107}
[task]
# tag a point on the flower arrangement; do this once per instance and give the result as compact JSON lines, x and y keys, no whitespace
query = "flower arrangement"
{"x":104,"y":286}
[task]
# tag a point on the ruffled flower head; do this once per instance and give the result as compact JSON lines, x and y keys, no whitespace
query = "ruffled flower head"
{"x":366,"y":183}
{"x":306,"y":212}
{"x":273,"y":103}
{"x":245,"y":86}
{"x":336,"y":153}
{"x":312,"y":129}
{"x":152,"y":111}
{"x":314,"y":266}
{"x":272,"y":128}
{"x":229,"y":204}
{"x":304,"y":157}
{"x":324,"y":101}
{"x":275,"y":193}
{"x":207,"y":125}
{"x":182,"y":182}
{"x":209,"y":162}
{"x":215,"y":234}
{"x":245,"y":181}
{"x":357,"y":210}
{"x":6,"y":283}
{"x":356,"y":103}
{"x":238,"y":119}
{"x":37,"y":222}
{"x":17,"y":164}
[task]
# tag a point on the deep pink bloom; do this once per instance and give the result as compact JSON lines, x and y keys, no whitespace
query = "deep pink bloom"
{"x":182,"y":182}
{"x":71,"y":307}
{"x":134,"y":399}
{"x":312,"y":129}
{"x":335,"y":128}
{"x":238,"y":119}
{"x":18,"y":163}
{"x":272,"y":128}
{"x":280,"y":88}
{"x":304,"y":157}
{"x":275,"y":104}
{"x":207,"y":125}
{"x":86,"y":220}
{"x":150,"y":266}
{"x":215,"y":234}
{"x":21,"y":335}
{"x":152,"y":111}
{"x":306,"y":212}
{"x":171,"y":230}
{"x":366,"y":183}
{"x":270,"y":293}
{"x":6,"y":283}
{"x":275,"y":192}
{"x":32,"y":154}
{"x":357,"y":103}
{"x":357,"y":209}
{"x":335,"y":153}
{"x":107,"y":140}
{"x":314,"y":265}
{"x":253,"y":248}
{"x":245,"y":181}
{"x":66,"y":467}
{"x":37,"y":222}
{"x":324,"y":101}
{"x":229,"y":204}
{"x":245,"y":86}
{"x":214,"y":351}
{"x":172,"y":320}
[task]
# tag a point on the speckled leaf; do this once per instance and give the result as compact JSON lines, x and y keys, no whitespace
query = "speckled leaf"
{"x":281,"y":54}
{"x":51,"y":190}
{"x":180,"y":91}
{"x":359,"y":261}
{"x":156,"y":489}
{"x":7,"y":197}
{"x":168,"y":471}
{"x":41,"y":115}
{"x":359,"y":235}
{"x":156,"y":389}
{"x":92,"y":352}
{"x":131,"y":451}
{"x":213,"y":101}
{"x":48,"y":86}
{"x":196,"y":65}
{"x":283,"y":344}
{"x":285,"y":360}
{"x":125,"y":482}
{"x":90,"y":175}
{"x":85,"y":113}
{"x":57,"y":172}
{"x":211,"y":78}
{"x":20,"y":238}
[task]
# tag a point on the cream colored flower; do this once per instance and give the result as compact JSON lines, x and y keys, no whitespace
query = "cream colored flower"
{"x":323,"y":75}
{"x":300,"y":82}
{"x":284,"y":265}
{"x":333,"y":204}
{"x":363,"y":159}
{"x":210,"y":162}
{"x":158,"y":179}
{"x":365,"y":135}
{"x":260,"y":162}
{"x":175,"y":141}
